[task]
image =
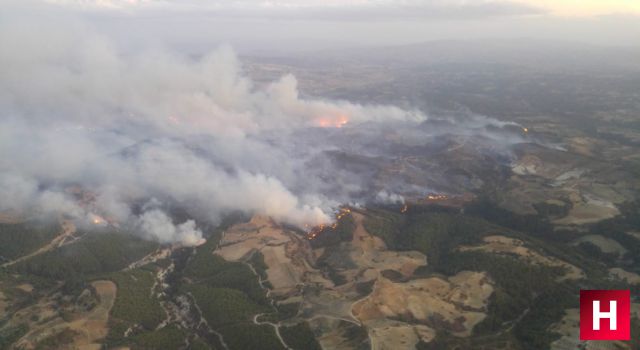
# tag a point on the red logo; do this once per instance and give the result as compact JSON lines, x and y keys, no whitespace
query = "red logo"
{"x":605,"y":315}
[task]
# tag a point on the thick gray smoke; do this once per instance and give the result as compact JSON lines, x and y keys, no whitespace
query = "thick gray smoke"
{"x":89,"y":132}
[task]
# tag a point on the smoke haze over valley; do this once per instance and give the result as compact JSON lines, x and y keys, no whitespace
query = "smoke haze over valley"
{"x":157,"y":129}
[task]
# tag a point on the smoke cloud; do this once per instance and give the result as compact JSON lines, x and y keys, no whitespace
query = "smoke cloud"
{"x":87,"y":130}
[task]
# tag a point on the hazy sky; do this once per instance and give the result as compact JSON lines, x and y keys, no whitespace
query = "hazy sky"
{"x":556,"y":7}
{"x":282,"y":25}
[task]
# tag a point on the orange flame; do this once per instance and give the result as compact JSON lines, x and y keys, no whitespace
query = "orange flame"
{"x":315,"y":231}
{"x":436,"y":197}
{"x":404,"y":208}
{"x":332,"y":122}
{"x":97,"y":220}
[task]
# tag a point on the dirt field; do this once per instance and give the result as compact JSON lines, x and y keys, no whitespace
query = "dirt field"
{"x":390,"y":335}
{"x":505,"y":245}
{"x":25,"y":287}
{"x":93,"y":326}
{"x":587,"y":210}
{"x":457,"y":303}
{"x":284,"y":252}
{"x":630,"y":277}
{"x":606,"y":245}
{"x":396,"y":314}
{"x":635,"y":234}
{"x":87,"y":328}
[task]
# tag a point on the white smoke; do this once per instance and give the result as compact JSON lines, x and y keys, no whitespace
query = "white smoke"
{"x":196,"y":133}
{"x":384,"y":197}
{"x":157,"y":225}
{"x":76,"y":111}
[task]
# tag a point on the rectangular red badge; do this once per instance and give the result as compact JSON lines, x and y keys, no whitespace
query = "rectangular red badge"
{"x":605,"y":315}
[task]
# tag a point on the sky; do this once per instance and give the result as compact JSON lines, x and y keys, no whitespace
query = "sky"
{"x":555,"y":7}
{"x":289,"y":25}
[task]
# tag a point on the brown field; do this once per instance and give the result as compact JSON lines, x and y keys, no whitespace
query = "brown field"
{"x":285,"y":253}
{"x":457,"y":303}
{"x":630,"y":277}
{"x":606,"y":245}
{"x":87,"y":327}
{"x":397,"y":314}
{"x":390,"y":335}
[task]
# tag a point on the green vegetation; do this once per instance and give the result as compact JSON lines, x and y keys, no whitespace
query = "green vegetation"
{"x":517,"y":284}
{"x":300,"y":337}
{"x":447,"y":341}
{"x":204,"y":264}
{"x":213,"y":271}
{"x":288,"y":310}
{"x":18,"y":240}
{"x":224,"y":306}
{"x":549,"y":210}
{"x":432,"y":233}
{"x":257,"y":261}
{"x":92,"y":255}
{"x":239,"y":276}
{"x":536,"y":225}
{"x":229,"y":296}
{"x":250,"y":336}
{"x":533,"y":330}
{"x":169,"y":337}
{"x":635,"y":333}
{"x":134,"y":304}
{"x":527,"y":298}
{"x":385,"y":224}
{"x":199,"y":344}
{"x":10,"y":335}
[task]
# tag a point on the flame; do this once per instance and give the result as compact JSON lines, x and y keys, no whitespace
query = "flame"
{"x":316,"y":230}
{"x":404,"y":208}
{"x":436,"y":197}
{"x":332,"y":122}
{"x":525,"y":130}
{"x":98,"y":220}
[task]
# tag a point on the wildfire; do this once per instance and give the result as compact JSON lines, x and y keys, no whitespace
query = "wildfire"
{"x":436,"y":197}
{"x":525,"y":130}
{"x":404,"y":208}
{"x":98,"y":220}
{"x":332,"y":122}
{"x":315,"y":231}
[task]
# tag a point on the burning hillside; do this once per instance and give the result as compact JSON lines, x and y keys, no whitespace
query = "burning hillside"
{"x":168,"y":132}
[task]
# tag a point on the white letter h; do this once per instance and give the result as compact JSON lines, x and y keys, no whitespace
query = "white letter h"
{"x":598,"y":315}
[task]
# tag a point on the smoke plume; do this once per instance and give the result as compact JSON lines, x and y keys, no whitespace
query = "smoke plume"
{"x":87,"y":130}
